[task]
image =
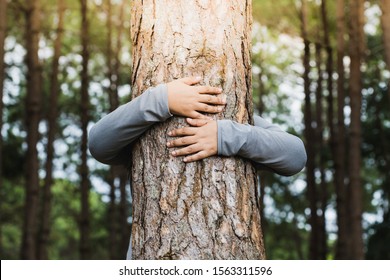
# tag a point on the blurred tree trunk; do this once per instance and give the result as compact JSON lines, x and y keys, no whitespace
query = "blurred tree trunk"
{"x":84,"y":107}
{"x":123,"y":211}
{"x":118,"y":224}
{"x":385,"y":19}
{"x":319,"y":147}
{"x":208,"y":209}
{"x":340,"y":167}
{"x":113,"y":99}
{"x":52,"y":130}
{"x":355,"y":191}
{"x":310,"y":139}
{"x":3,"y":32}
{"x":330,"y":118}
{"x":33,"y":117}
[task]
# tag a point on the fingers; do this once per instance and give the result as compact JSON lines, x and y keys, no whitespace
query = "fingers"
{"x":215,"y":100}
{"x":184,"y":131}
{"x":193,"y":153}
{"x":190,"y":80}
{"x":182,"y":141}
{"x":209,"y":90}
{"x":187,"y":150}
{"x":198,"y":122}
{"x":209,"y":108}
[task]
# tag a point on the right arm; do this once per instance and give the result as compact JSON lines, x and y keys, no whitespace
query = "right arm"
{"x":110,"y":138}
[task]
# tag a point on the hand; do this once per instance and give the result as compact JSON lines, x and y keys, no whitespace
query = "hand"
{"x":201,"y":140}
{"x":188,"y":101}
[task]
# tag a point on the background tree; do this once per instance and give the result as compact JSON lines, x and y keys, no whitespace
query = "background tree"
{"x":357,"y":48}
{"x":210,"y":214}
{"x":84,"y":110}
{"x":44,"y":233}
{"x":339,"y":159}
{"x":32,"y":118}
{"x":3,"y":29}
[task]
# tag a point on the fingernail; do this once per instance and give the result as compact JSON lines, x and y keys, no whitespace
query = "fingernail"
{"x":219,"y":109}
{"x":189,"y":119}
{"x":198,"y":78}
{"x":219,"y":90}
{"x":185,"y":160}
{"x":168,"y":144}
{"x":170,"y":133}
{"x":224,"y":98}
{"x":174,"y":153}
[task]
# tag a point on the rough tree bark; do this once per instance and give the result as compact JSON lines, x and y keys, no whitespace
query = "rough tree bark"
{"x":355,"y":184}
{"x":33,"y":117}
{"x":3,"y":31}
{"x":208,"y":209}
{"x":52,"y":130}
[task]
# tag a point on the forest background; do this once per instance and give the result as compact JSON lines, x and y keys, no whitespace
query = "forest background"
{"x":320,"y":71}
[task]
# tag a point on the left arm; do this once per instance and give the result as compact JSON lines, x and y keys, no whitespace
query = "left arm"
{"x":265,"y":144}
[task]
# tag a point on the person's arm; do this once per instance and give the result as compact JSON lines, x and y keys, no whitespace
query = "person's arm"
{"x":265,"y":144}
{"x":111,"y":137}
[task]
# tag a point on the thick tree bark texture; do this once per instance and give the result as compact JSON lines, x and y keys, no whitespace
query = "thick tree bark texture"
{"x":33,"y":116}
{"x":208,"y":209}
{"x":355,"y":192}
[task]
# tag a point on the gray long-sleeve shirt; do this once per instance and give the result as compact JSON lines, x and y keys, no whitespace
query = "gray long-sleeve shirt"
{"x":265,"y":144}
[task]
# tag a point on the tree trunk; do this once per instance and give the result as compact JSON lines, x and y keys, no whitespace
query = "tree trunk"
{"x":207,"y":209}
{"x":123,"y":211}
{"x":3,"y":31}
{"x":84,"y":106}
{"x":124,"y":227}
{"x":321,"y":198}
{"x":52,"y":129}
{"x":33,"y":116}
{"x":385,"y":19}
{"x":356,"y":54}
{"x":330,"y":116}
{"x":341,"y":208}
{"x":113,"y":99}
{"x":309,"y":137}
